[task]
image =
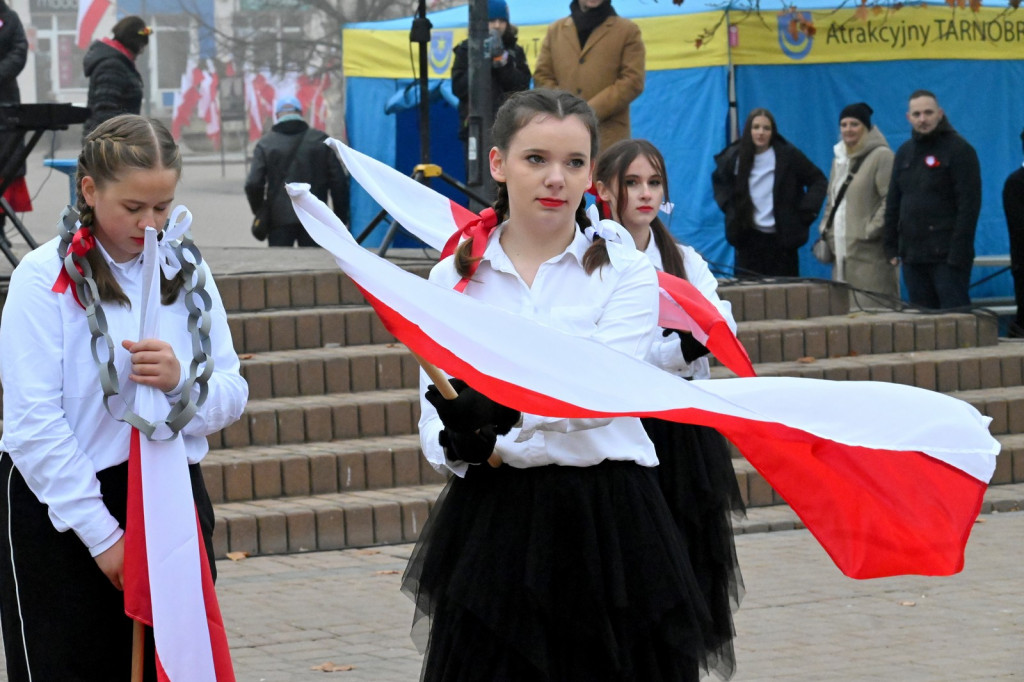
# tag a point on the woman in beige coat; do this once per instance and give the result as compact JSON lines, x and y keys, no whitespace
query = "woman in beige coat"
{"x":856,"y":230}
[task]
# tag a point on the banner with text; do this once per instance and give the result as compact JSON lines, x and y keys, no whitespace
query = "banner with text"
{"x":925,"y":32}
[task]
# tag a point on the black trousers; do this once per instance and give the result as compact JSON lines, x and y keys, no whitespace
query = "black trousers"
{"x":62,"y":619}
{"x":763,"y":255}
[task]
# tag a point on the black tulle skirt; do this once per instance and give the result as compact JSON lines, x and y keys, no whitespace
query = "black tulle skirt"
{"x":699,"y":485}
{"x":558,"y":574}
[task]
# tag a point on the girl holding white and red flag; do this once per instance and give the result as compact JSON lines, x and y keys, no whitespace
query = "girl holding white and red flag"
{"x":562,"y":561}
{"x":695,"y":465}
{"x":65,"y":446}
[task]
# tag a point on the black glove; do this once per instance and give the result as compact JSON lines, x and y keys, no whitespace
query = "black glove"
{"x":691,"y":347}
{"x":472,"y":410}
{"x":470,"y":447}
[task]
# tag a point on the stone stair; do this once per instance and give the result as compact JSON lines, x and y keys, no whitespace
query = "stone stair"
{"x":326,"y":455}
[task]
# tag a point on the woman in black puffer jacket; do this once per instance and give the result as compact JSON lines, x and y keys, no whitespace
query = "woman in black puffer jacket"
{"x":770,"y":194}
{"x":115,"y":86}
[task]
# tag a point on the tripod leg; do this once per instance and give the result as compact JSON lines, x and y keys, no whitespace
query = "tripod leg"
{"x":464,"y":188}
{"x":369,"y":228}
{"x":18,"y":225}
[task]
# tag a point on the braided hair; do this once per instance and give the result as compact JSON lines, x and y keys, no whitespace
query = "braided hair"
{"x":517,"y":111}
{"x":611,"y":170}
{"x":120,"y":144}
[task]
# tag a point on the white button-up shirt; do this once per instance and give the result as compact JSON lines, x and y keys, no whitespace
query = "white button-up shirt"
{"x":56,"y":428}
{"x":616,"y":305}
{"x":666,"y":352}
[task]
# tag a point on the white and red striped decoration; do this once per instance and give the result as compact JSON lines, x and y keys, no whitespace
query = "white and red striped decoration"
{"x":90,"y":12}
{"x":889,"y":478}
{"x":167,"y":580}
{"x":438,"y":221}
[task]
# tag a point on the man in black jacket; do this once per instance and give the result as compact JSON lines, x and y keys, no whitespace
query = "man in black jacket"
{"x":294,"y":151}
{"x":931,"y":213}
{"x":1013,"y":206}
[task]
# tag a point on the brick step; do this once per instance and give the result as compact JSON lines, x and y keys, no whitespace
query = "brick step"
{"x":301,"y":328}
{"x":321,"y":418}
{"x":261,"y":291}
{"x":338,"y":369}
{"x":793,"y":301}
{"x":264,"y":321}
{"x":959,"y":369}
{"x":256,"y":473}
{"x":360,"y":518}
{"x":864,"y":334}
{"x":385,"y":517}
{"x":1004,"y":405}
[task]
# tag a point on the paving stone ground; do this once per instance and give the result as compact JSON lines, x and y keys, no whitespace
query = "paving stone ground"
{"x":801,"y":620}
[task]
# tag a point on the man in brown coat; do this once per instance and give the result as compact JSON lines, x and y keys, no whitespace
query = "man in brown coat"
{"x":599,"y":56}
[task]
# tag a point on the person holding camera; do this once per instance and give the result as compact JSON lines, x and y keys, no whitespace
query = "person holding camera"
{"x":509,"y":70}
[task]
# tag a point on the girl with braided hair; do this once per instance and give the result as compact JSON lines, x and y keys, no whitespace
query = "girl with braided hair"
{"x":560,"y":561}
{"x":694,"y":462}
{"x":63,"y":465}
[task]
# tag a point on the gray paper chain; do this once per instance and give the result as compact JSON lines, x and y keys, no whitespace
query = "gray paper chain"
{"x":200,"y":368}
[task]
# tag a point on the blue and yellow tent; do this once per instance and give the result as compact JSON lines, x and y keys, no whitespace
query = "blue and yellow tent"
{"x":971,"y":60}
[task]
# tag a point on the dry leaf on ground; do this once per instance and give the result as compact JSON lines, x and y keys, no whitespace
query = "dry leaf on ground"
{"x":332,"y":667}
{"x":390,"y":572}
{"x":908,"y":603}
{"x":237,"y":556}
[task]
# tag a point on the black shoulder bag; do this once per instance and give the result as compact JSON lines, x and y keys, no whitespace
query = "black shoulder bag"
{"x":261,"y":224}
{"x":822,"y":249}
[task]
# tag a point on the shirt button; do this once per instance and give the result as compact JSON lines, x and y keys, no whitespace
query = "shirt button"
{"x":579,"y":91}
{"x":581,"y":60}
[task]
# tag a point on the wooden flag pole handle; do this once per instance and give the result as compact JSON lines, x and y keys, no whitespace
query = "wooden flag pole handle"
{"x":138,"y":646}
{"x":444,"y":387}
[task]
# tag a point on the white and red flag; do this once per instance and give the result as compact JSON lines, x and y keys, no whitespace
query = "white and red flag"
{"x":167,"y":580}
{"x":90,"y":12}
{"x":440,"y":223}
{"x":889,"y":478}
{"x":186,"y":99}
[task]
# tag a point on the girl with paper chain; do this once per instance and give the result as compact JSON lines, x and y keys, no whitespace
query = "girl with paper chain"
{"x":64,"y":461}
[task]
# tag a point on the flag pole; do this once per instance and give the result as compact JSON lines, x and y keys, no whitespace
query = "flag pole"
{"x":138,"y":646}
{"x":448,"y":392}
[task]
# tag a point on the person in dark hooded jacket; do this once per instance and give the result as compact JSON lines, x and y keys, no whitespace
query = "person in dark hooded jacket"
{"x":931,"y":213}
{"x":294,"y":151}
{"x":115,"y":86}
{"x":13,"y":53}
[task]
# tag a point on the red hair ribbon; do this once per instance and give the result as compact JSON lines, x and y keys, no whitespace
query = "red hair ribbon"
{"x":81,"y":244}
{"x":471,"y":226}
{"x":603,"y":209}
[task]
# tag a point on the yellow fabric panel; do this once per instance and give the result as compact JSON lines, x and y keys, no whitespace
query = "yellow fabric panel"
{"x":930,"y":32}
{"x":669,"y":41}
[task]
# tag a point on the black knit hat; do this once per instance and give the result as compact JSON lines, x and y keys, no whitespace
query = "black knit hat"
{"x":860,"y":111}
{"x":133,"y":33}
